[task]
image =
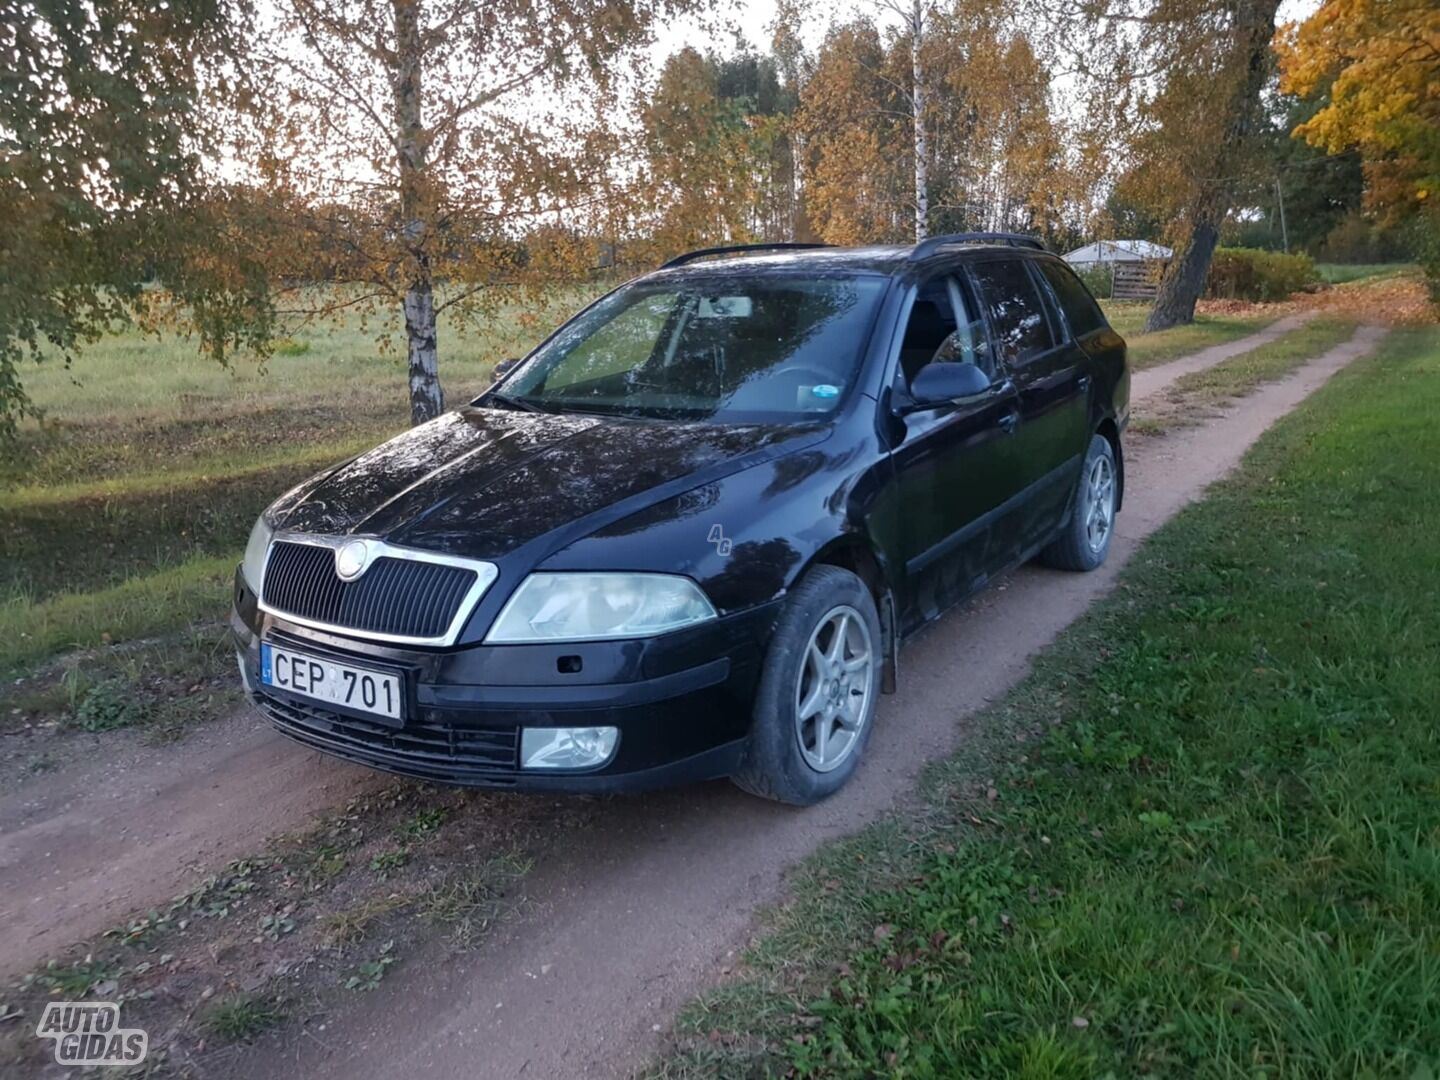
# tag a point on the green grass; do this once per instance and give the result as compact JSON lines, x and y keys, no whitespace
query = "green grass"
{"x":149,"y":605}
{"x":1339,"y":273}
{"x":1240,"y":375}
{"x":242,"y":1017}
{"x":1219,"y":853}
{"x":1147,"y":350}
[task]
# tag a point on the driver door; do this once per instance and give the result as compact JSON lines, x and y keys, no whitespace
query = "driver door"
{"x":955,"y":466}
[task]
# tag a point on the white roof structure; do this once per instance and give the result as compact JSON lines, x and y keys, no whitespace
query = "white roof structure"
{"x":1112,"y":251}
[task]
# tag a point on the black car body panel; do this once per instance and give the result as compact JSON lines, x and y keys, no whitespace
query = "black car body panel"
{"x":926,"y":503}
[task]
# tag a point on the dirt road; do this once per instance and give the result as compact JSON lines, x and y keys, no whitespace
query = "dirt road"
{"x":633,"y":913}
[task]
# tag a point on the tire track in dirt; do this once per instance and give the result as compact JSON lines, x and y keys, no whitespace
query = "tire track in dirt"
{"x":647,"y":904}
{"x":83,"y":847}
{"x":127,"y":830}
{"x":1152,"y":380}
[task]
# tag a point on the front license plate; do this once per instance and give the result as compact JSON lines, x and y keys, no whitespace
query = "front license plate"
{"x":362,"y":689}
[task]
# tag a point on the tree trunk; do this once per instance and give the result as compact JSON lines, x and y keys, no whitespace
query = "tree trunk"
{"x":1184,"y":278}
{"x":917,"y":108}
{"x":427,"y":399}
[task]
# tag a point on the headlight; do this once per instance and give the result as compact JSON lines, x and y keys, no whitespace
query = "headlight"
{"x":254,"y":565}
{"x":588,"y":607}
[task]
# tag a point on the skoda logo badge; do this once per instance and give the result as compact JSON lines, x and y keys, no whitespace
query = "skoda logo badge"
{"x":351,"y":560}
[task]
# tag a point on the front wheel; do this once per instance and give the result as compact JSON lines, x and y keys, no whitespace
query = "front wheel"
{"x":817,"y":696}
{"x":1085,"y":540}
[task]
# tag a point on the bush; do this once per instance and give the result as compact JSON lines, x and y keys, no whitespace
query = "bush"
{"x":1427,"y":249}
{"x":1262,"y":276}
{"x":1097,"y":279}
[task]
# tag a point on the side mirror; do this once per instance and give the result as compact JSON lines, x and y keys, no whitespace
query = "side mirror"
{"x":941,"y":384}
{"x":504,"y":367}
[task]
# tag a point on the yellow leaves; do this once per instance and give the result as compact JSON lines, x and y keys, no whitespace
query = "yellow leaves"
{"x":1381,"y":60}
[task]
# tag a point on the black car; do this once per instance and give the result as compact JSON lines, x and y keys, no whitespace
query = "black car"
{"x":684,"y":538}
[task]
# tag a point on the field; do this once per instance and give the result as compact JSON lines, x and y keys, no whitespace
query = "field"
{"x":1214,"y":856}
{"x":1340,"y":273}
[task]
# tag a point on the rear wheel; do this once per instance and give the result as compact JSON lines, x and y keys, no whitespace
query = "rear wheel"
{"x":817,"y":696}
{"x":1085,"y":540}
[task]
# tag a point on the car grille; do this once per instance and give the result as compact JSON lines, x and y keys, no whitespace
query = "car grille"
{"x":396,"y":597}
{"x":432,"y":751}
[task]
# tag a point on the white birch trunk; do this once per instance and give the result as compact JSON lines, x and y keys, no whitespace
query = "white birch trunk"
{"x":917,"y":107}
{"x":427,"y":399}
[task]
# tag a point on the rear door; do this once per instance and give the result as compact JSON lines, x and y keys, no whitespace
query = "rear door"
{"x":1052,"y":379}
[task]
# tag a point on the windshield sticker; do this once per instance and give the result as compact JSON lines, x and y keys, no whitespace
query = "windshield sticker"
{"x":825,"y":390}
{"x":724,"y":307}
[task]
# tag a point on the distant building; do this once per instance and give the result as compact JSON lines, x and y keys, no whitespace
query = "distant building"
{"x":1108,"y":252}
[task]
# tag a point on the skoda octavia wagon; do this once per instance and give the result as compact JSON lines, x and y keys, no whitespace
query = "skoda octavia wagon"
{"x":685,"y":537}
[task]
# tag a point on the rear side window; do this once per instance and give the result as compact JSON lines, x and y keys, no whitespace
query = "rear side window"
{"x":1081,"y":311}
{"x":1009,"y":296}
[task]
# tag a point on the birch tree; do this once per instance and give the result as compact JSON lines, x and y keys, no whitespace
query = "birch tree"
{"x":105,"y":123}
{"x":472,"y":143}
{"x":991,"y":155}
{"x":914,"y":17}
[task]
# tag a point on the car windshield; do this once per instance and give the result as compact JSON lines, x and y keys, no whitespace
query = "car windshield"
{"x":730,"y":348}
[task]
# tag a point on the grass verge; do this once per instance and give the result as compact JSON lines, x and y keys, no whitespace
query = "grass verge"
{"x":1147,"y":350}
{"x":1216,"y":856}
{"x":1193,"y":397}
{"x":143,"y":606}
{"x":1340,"y":273}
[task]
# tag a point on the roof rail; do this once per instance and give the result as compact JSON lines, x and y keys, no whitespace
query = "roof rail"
{"x":932,"y":244}
{"x":732,"y":249}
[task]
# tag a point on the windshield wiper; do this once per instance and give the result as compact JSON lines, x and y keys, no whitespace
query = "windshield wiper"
{"x":515,"y":403}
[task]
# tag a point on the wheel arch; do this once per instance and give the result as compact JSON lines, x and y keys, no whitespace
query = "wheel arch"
{"x":1110,"y":431}
{"x":854,"y":553}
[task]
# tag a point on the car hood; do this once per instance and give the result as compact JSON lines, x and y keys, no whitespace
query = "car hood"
{"x":484,"y":482}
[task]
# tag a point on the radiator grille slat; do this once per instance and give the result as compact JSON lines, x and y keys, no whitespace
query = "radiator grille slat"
{"x":400,"y":597}
{"x":435,"y":751}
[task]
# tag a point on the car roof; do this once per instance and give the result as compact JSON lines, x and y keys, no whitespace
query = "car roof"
{"x":889,"y":259}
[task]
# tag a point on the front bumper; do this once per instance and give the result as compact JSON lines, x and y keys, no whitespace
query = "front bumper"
{"x":682,"y":702}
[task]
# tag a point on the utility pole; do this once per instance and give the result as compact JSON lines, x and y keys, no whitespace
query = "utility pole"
{"x":1280,"y":202}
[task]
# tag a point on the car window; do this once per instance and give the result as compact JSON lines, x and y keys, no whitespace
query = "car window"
{"x":1081,"y":311}
{"x":625,"y":342}
{"x":931,"y":325}
{"x":970,"y":343}
{"x":945,"y":326}
{"x":735,"y":347}
{"x":1017,"y":316}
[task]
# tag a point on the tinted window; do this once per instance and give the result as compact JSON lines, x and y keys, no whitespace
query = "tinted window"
{"x":932,"y":323}
{"x":945,"y":327}
{"x":970,"y":343}
{"x":1081,"y":310}
{"x":1013,"y":304}
{"x":732,"y":348}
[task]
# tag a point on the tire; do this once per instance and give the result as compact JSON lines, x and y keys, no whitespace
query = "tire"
{"x":1084,"y":542}
{"x":786,"y":759}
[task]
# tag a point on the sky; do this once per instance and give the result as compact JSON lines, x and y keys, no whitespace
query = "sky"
{"x":755,"y":18}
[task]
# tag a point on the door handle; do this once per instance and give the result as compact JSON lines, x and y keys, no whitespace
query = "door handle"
{"x":1008,"y":422}
{"x":1083,"y":383}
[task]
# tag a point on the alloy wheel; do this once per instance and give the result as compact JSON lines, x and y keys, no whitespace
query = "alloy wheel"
{"x":1099,"y":503}
{"x":832,"y":693}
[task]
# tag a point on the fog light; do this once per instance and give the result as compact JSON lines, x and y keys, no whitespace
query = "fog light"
{"x":566,"y":747}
